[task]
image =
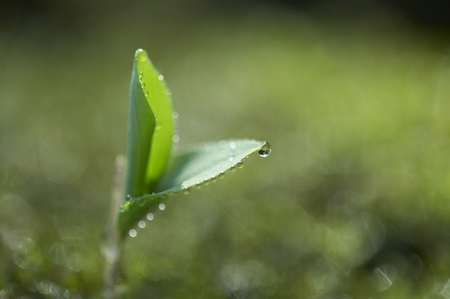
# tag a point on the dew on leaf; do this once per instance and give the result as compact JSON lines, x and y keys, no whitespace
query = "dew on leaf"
{"x":162,"y":206}
{"x":232,"y":145}
{"x":240,"y":165}
{"x":168,"y":92}
{"x":222,"y":143}
{"x":150,"y":216}
{"x":265,"y":150}
{"x":221,"y":175}
{"x":175,"y":138}
{"x":140,"y":201}
{"x":142,"y":224}
{"x":132,"y":233}
{"x":186,"y":191}
{"x":122,"y":208}
{"x":160,"y":77}
{"x":175,"y":115}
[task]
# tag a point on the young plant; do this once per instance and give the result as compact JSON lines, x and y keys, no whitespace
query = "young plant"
{"x":153,"y":172}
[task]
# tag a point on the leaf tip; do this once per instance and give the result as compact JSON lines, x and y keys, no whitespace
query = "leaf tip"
{"x":141,"y":55}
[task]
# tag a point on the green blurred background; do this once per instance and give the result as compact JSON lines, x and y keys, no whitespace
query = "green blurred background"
{"x":352,"y":95}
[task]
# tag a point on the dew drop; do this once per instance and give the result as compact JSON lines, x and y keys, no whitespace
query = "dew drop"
{"x":186,"y":191}
{"x":198,"y":186}
{"x":142,"y":224}
{"x":160,"y":77}
{"x":240,"y":165}
{"x":128,"y":197}
{"x":162,"y":206}
{"x":206,"y":183}
{"x":175,"y":138}
{"x":265,"y":150}
{"x":222,"y":143}
{"x":175,"y":115}
{"x":232,"y":145}
{"x":140,"y":201}
{"x":150,"y":216}
{"x":168,"y":92}
{"x":141,"y":55}
{"x":231,"y":157}
{"x":221,"y":175}
{"x":132,"y":233}
{"x":233,"y":168}
{"x":122,"y":208}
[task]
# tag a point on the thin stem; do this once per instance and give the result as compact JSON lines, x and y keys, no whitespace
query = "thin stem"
{"x":112,"y":243}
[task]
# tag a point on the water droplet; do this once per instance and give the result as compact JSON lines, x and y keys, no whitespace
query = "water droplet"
{"x":206,"y":183}
{"x":233,"y":168}
{"x":122,"y":208}
{"x":141,"y":73}
{"x":168,"y":92}
{"x":128,"y":198}
{"x":240,"y":165}
{"x":132,"y":233}
{"x":265,"y":150}
{"x":140,"y":201}
{"x":232,"y":145}
{"x":161,"y":77}
{"x":221,"y":175}
{"x":222,"y":143}
{"x":142,"y":84}
{"x":175,"y":115}
{"x":162,"y":206}
{"x":186,"y":191}
{"x":141,"y":55}
{"x":150,"y":216}
{"x":142,"y":224}
{"x":175,"y":138}
{"x":231,"y":157}
{"x":198,"y":186}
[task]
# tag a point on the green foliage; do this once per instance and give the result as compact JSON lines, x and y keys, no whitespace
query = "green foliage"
{"x":151,"y":128}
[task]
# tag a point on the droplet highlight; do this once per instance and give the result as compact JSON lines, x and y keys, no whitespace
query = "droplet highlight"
{"x":160,"y":77}
{"x":142,"y":224}
{"x":132,"y":233}
{"x":162,"y":206}
{"x":150,"y":216}
{"x":265,"y":150}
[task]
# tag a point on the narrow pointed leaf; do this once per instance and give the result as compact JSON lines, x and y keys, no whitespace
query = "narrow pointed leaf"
{"x":157,"y":95}
{"x":192,"y":167}
{"x":141,"y":127}
{"x":207,"y":161}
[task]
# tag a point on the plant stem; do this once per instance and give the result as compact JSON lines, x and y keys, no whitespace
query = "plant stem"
{"x":112,"y":242}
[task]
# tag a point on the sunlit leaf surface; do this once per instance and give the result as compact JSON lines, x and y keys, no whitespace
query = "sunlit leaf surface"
{"x":157,"y":95}
{"x":192,"y":167}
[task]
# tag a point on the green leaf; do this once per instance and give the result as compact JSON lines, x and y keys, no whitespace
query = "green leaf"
{"x":192,"y":167}
{"x":157,"y":94}
{"x":206,"y":161}
{"x":141,"y":127}
{"x":150,"y":127}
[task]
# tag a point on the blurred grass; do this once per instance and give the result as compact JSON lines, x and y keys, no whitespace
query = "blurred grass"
{"x":352,"y":202}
